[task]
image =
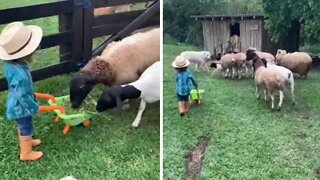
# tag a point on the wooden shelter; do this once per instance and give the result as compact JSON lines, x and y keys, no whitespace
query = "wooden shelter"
{"x":218,"y":30}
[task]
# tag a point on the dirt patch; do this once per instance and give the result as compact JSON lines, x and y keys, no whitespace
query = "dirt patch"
{"x":317,"y":174}
{"x":301,"y":135}
{"x":194,"y":159}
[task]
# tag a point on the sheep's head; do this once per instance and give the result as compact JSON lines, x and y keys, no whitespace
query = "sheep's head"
{"x":108,"y":98}
{"x":207,"y":54}
{"x":95,"y":72}
{"x":258,"y":62}
{"x":250,"y":54}
{"x":113,"y":97}
{"x":80,"y":86}
{"x":279,"y":55}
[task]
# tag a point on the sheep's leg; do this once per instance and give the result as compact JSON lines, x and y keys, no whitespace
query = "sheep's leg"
{"x":239,"y":73}
{"x":257,"y":94}
{"x":272,"y":100}
{"x":292,"y":93}
{"x":233,"y":72}
{"x":196,"y":66}
{"x":265,"y":95}
{"x":280,"y":99}
{"x":226,"y":73}
{"x":142,"y":107}
{"x":247,"y":69}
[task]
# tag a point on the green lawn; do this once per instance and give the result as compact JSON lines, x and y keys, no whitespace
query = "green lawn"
{"x":248,"y":139}
{"x":107,"y":149}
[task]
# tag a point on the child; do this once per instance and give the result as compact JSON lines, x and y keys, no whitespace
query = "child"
{"x":183,"y":77}
{"x":17,"y":43}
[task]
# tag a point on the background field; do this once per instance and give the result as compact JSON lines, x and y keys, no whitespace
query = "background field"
{"x":108,"y":148}
{"x":247,"y":139}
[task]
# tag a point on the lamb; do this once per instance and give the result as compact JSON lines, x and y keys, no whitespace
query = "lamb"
{"x":199,"y":58}
{"x":147,"y":87}
{"x":297,"y":62}
{"x":120,"y":63}
{"x":268,"y":79}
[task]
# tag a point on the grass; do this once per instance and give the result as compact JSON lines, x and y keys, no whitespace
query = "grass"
{"x":248,"y":139}
{"x":108,"y":148}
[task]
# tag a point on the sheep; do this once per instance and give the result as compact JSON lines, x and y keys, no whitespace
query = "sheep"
{"x":120,"y":63}
{"x":267,"y":79}
{"x":147,"y":87}
{"x":286,"y":73}
{"x":265,"y":55}
{"x":199,"y":58}
{"x":297,"y":62}
{"x":112,"y":9}
{"x":239,"y":63}
{"x":227,"y":64}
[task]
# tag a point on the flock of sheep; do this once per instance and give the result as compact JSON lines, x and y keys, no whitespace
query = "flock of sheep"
{"x":270,"y":73}
{"x":129,"y":69}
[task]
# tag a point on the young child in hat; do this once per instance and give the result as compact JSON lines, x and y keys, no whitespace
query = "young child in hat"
{"x":17,"y":44}
{"x":183,"y":78}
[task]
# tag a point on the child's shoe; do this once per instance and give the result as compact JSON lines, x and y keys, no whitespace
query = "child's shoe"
{"x":26,"y":153}
{"x":181,"y":108}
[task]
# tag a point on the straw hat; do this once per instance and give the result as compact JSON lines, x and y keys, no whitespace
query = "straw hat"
{"x":18,"y":40}
{"x":180,"y":62}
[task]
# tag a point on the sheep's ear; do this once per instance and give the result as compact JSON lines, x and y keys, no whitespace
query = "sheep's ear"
{"x":278,"y":51}
{"x":119,"y":106}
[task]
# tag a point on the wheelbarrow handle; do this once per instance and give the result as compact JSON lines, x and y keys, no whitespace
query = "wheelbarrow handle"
{"x":45,"y":96}
{"x":51,"y":108}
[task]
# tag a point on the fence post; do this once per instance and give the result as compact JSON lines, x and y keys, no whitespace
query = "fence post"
{"x":88,"y":22}
{"x":65,"y":23}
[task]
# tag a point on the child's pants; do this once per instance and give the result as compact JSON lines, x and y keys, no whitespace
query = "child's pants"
{"x":25,"y":126}
{"x":182,"y":98}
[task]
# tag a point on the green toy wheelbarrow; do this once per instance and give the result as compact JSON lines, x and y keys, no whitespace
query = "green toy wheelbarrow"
{"x":196,"y":95}
{"x":55,"y":104}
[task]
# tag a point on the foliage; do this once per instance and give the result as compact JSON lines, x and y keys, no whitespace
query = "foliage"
{"x":281,"y":14}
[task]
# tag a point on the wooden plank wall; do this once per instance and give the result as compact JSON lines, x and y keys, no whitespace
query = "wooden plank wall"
{"x":215,"y":33}
{"x":218,"y":31}
{"x":250,"y":34}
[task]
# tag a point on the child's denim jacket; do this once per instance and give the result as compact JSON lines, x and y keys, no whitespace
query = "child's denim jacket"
{"x":183,"y":82}
{"x":21,"y":100}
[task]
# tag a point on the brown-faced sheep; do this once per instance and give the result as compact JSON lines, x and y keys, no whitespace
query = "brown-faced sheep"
{"x":120,"y":63}
{"x":267,"y":79}
{"x":297,"y":62}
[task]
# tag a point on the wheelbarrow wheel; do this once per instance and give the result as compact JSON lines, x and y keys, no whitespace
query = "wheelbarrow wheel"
{"x":86,"y":123}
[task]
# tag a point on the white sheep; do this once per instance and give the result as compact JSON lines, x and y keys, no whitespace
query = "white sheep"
{"x":147,"y":87}
{"x":199,"y":58}
{"x":297,"y":62}
{"x":121,"y":62}
{"x":268,"y":79}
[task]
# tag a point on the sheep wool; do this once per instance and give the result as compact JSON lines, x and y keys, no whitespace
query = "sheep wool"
{"x":297,"y":62}
{"x":129,"y":57}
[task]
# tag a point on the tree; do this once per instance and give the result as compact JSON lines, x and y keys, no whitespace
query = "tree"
{"x":282,"y":15}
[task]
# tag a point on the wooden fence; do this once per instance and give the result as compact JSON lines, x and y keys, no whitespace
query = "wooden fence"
{"x":77,"y":28}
